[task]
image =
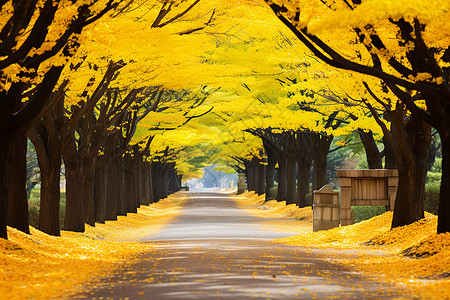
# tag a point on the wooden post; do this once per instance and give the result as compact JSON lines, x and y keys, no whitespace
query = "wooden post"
{"x":366,"y":187}
{"x":325,"y":209}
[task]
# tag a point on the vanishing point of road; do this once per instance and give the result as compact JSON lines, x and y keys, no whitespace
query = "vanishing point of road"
{"x":215,"y":250}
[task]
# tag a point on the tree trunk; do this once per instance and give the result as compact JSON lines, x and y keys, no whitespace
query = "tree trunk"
{"x":390,"y":160}
{"x":304,"y":174}
{"x":255,"y":168}
{"x":321,"y":149}
{"x":50,"y":195}
{"x":261,"y":179}
{"x":282,"y":180}
{"x":4,"y":149}
{"x":137,"y":181}
{"x":165,"y":181}
{"x":156,"y":181}
{"x":173,"y":181}
{"x":150,"y":182}
{"x":74,"y":219}
{"x":88,"y":191}
{"x":434,"y":148}
{"x":254,"y":176}
{"x":129,"y":188}
{"x":179,"y":180}
{"x":270,"y":169}
{"x":16,"y":183}
{"x":270,"y":178}
{"x":291,"y":181}
{"x":144,"y":185}
{"x":100,"y":193}
{"x":111,"y":191}
{"x":373,"y":155}
{"x":250,"y":175}
{"x":122,"y":201}
{"x":412,"y":155}
{"x":444,"y":196}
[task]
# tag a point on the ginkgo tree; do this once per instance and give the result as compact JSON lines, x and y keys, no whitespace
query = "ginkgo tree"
{"x":31,"y":80}
{"x":407,"y":47}
{"x":147,"y":61}
{"x":38,"y":38}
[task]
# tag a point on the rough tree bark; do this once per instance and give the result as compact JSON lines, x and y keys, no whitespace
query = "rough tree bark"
{"x":122,"y":202}
{"x":150,"y":182}
{"x":129,"y":180}
{"x":48,"y":145}
{"x":270,"y":169}
{"x":249,"y":175}
{"x":304,"y":173}
{"x":100,"y":193}
{"x":373,"y":155}
{"x":16,"y":178}
{"x":74,"y":218}
{"x":291,"y":185}
{"x":261,"y":178}
{"x":137,"y":180}
{"x":412,"y":168}
{"x":321,"y":144}
{"x":112,"y":180}
{"x":444,"y":198}
{"x":87,"y":171}
{"x":282,"y":178}
{"x":4,"y":149}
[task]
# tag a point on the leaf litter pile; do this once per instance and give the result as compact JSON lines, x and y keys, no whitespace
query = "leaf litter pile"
{"x":40,"y":266}
{"x":413,"y":257}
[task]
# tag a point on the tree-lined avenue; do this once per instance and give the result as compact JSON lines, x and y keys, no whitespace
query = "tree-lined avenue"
{"x":215,"y":250}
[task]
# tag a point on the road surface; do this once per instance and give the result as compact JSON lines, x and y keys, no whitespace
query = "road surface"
{"x":215,"y":250}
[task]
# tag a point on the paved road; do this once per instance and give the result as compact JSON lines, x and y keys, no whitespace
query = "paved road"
{"x":209,"y":215}
{"x":214,"y":250}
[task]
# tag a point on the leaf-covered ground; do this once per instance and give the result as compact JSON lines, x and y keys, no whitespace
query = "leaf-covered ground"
{"x":39,"y":266}
{"x":413,"y":256}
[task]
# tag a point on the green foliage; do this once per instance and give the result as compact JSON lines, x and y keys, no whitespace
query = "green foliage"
{"x":435,"y":173}
{"x":433,"y":177}
{"x":273,"y":192}
{"x":343,"y":158}
{"x":432,"y":187}
{"x":431,"y":202}
{"x":361,"y":213}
